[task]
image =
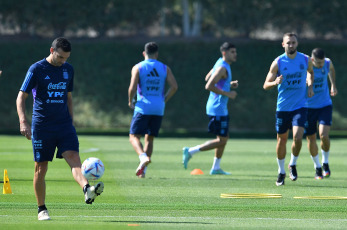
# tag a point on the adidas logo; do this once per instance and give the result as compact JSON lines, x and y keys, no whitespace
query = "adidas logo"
{"x":153,"y":73}
{"x":47,"y":77}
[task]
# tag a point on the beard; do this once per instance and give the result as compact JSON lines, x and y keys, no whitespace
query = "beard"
{"x":292,"y":51}
{"x":56,"y":63}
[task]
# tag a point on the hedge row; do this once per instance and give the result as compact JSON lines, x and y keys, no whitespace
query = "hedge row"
{"x":102,"y":75}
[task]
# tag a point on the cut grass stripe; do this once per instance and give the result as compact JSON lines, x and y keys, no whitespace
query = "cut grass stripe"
{"x":321,"y":197}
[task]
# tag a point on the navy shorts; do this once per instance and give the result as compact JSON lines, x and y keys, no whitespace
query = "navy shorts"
{"x":286,"y":120}
{"x":45,"y":143}
{"x":219,"y":125}
{"x":323,"y":116}
{"x":145,"y":124}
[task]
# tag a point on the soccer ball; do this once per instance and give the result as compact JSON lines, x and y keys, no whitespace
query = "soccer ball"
{"x":93,"y":168}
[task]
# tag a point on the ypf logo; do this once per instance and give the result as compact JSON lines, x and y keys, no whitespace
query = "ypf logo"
{"x":55,"y":94}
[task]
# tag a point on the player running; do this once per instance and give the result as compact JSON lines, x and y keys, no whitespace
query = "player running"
{"x":219,"y":82}
{"x":148,"y":80}
{"x":290,"y":72}
{"x":320,"y":110}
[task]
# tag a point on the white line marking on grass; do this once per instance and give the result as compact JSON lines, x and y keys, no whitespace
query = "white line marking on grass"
{"x":204,"y":218}
{"x":90,"y":150}
{"x":192,"y":217}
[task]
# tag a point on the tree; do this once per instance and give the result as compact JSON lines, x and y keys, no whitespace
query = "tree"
{"x":187,"y":18}
{"x":197,"y":19}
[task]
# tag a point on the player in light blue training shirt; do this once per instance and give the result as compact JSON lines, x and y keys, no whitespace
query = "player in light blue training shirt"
{"x":151,"y":87}
{"x":148,"y":80}
{"x":219,"y":82}
{"x":290,"y":72}
{"x":320,"y":111}
{"x":51,"y":83}
{"x":217,"y":104}
{"x":292,"y":93}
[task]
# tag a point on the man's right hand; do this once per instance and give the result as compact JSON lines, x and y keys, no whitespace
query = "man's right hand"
{"x":131,"y":105}
{"x":25,"y":129}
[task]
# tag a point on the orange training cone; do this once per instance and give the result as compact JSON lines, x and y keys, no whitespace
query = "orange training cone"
{"x":7,"y":187}
{"x":196,"y":172}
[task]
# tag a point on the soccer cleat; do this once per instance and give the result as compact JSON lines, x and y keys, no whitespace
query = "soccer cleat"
{"x":143,"y":175}
{"x":326,"y":170}
{"x":91,"y":192}
{"x":319,"y":174}
{"x":186,"y":157}
{"x":99,"y":188}
{"x":293,"y":175}
{"x":43,"y":215}
{"x":141,"y":168}
{"x":219,"y":172}
{"x":280,"y":179}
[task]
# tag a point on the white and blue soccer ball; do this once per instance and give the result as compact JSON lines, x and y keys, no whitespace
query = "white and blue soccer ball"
{"x":93,"y":168}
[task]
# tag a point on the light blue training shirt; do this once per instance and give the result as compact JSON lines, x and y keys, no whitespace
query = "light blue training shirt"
{"x":292,"y":94}
{"x":217,"y":105}
{"x":321,"y":96}
{"x":151,"y":87}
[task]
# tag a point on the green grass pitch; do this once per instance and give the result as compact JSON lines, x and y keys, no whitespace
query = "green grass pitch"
{"x":171,"y":198}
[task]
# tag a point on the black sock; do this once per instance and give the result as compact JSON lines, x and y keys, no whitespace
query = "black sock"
{"x":41,"y":208}
{"x":85,"y":188}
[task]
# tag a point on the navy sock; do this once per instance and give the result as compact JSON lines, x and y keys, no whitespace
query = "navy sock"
{"x":85,"y":188}
{"x":41,"y":208}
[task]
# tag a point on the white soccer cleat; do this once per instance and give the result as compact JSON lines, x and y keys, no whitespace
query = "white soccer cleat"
{"x":43,"y":215}
{"x":92,"y":192}
{"x":143,"y":164}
